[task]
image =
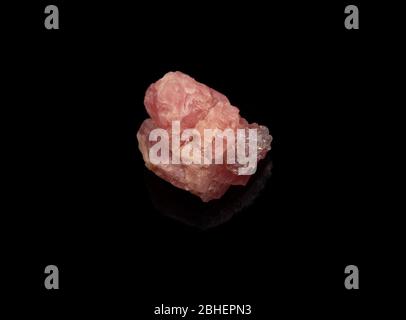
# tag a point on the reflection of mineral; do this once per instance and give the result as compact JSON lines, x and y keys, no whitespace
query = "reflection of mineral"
{"x":188,"y":209}
{"x":179,"y":98}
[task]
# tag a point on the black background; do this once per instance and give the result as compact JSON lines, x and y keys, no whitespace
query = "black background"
{"x":82,"y":202}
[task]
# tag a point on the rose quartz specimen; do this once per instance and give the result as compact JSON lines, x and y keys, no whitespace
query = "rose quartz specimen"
{"x":178,"y":97}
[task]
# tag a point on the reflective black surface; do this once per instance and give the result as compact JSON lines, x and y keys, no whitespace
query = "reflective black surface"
{"x":125,"y":240}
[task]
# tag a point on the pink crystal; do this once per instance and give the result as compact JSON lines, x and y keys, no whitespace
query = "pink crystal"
{"x":178,"y":97}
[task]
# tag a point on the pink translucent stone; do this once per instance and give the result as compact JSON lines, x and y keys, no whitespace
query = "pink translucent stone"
{"x":178,"y":97}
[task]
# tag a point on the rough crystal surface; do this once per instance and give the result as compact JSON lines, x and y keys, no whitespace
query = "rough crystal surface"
{"x":178,"y":97}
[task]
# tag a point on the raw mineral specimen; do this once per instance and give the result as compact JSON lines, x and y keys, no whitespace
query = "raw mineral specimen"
{"x":178,"y":98}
